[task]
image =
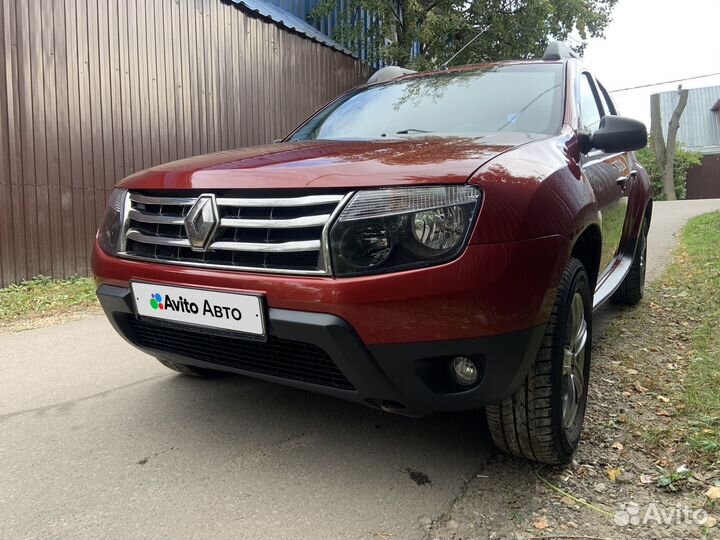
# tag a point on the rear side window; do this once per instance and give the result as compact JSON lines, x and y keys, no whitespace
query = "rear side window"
{"x":590,"y":113}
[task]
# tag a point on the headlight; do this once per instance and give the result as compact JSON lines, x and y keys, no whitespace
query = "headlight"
{"x":399,"y":228}
{"x":108,"y":234}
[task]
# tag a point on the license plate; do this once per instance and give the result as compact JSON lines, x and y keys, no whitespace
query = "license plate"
{"x":227,"y":311}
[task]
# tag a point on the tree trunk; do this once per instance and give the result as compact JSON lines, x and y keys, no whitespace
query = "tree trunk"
{"x":656,"y":134}
{"x":668,"y":176}
{"x":404,"y":43}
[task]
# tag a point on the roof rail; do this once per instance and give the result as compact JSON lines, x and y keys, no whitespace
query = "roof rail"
{"x":557,"y":50}
{"x":388,"y":73}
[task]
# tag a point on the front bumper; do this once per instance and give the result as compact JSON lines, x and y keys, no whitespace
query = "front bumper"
{"x":489,"y":290}
{"x":407,"y":378}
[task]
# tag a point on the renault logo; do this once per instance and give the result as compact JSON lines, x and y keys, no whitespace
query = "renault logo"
{"x":201,"y":222}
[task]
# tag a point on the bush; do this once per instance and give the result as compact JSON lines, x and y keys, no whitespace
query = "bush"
{"x":684,"y":161}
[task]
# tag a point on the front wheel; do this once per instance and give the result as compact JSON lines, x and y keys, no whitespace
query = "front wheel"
{"x":543,"y":420}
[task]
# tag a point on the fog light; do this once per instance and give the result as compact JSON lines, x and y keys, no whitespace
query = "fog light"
{"x":463,"y":370}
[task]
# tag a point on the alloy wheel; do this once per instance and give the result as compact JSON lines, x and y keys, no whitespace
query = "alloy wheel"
{"x":573,"y":373}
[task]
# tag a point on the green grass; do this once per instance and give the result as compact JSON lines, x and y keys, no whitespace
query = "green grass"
{"x":42,"y":296}
{"x":656,"y":436}
{"x":695,"y":277}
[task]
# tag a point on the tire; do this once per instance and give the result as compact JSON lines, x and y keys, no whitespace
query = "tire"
{"x":191,"y":371}
{"x":632,"y":288}
{"x":543,"y":420}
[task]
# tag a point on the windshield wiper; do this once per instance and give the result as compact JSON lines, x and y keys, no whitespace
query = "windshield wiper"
{"x":411,"y":130}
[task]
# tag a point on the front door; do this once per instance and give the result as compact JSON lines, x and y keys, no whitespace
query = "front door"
{"x":608,"y":174}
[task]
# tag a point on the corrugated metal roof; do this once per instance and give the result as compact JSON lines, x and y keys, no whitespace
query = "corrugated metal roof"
{"x":699,"y":124}
{"x":288,"y":20}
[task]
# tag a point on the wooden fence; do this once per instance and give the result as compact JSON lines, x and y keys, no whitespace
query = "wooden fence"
{"x":93,"y":90}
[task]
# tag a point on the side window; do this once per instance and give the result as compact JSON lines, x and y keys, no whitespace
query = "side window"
{"x":590,"y":113}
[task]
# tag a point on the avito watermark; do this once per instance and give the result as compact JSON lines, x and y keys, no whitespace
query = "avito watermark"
{"x":632,"y":514}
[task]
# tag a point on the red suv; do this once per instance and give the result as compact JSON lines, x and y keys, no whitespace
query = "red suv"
{"x":435,"y":242}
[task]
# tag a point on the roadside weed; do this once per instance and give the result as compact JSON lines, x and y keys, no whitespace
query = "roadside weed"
{"x":42,"y":296}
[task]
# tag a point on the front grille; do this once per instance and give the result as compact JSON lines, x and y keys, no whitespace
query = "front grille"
{"x":273,"y":234}
{"x":278,"y":357}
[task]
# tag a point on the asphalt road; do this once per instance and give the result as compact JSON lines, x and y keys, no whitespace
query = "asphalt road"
{"x":98,"y":440}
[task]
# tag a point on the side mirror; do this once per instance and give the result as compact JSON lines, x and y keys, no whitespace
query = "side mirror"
{"x":617,"y":134}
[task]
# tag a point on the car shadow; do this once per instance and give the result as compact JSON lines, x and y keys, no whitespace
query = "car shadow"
{"x":252,"y":423}
{"x":602,"y":318}
{"x":311,"y":451}
{"x":261,"y":420}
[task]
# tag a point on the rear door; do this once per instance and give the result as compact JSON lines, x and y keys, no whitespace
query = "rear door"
{"x":608,"y":174}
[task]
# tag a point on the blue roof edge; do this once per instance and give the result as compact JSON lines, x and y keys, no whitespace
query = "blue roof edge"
{"x":289,"y":21}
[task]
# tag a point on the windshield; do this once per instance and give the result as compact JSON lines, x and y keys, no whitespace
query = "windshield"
{"x":523,"y":98}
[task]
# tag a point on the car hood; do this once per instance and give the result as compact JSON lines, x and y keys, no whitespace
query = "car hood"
{"x":325,"y":164}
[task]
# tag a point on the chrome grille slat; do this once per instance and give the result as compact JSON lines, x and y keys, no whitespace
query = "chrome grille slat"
{"x":279,"y":202}
{"x":137,"y":236}
{"x":293,"y":223}
{"x":257,"y":247}
{"x":276,"y":234}
{"x":137,"y":215}
{"x":169,"y":201}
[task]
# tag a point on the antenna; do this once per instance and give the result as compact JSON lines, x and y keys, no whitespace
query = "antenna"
{"x":480,"y":33}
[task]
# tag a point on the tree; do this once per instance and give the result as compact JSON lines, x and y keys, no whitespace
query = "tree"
{"x":665,"y":153}
{"x":684,"y":161}
{"x":436,"y":29}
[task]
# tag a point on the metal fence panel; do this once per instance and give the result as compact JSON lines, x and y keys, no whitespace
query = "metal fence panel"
{"x":94,"y":90}
{"x":703,"y":181}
